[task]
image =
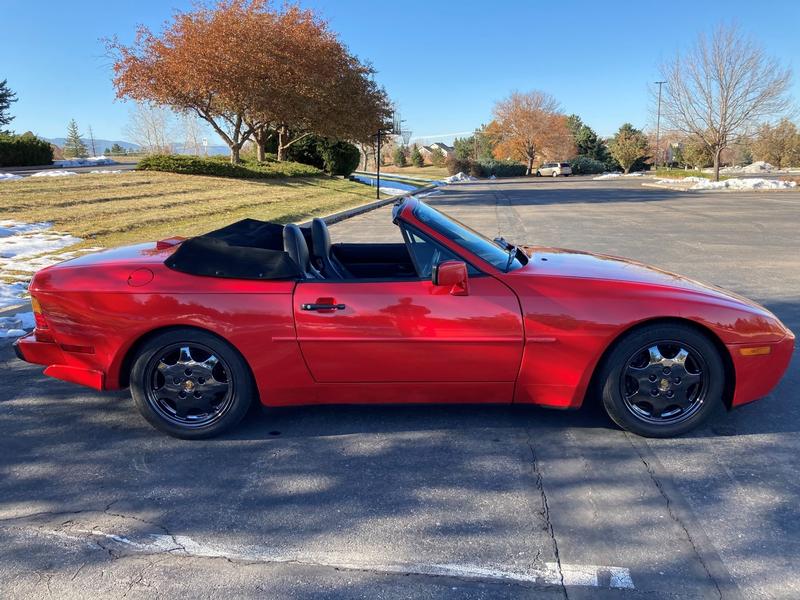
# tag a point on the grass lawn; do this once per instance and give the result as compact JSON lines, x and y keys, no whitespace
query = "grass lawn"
{"x":427,"y":172}
{"x":110,"y":210}
{"x":681,"y":173}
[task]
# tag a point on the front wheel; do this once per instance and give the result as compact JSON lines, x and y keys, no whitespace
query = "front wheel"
{"x":555,"y":173}
{"x":190,"y":384}
{"x":662,"y":380}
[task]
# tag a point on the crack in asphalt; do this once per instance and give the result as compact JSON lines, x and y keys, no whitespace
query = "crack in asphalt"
{"x":659,"y":485}
{"x":546,"y":509}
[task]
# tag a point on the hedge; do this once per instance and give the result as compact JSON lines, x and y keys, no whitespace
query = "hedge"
{"x":24,"y":150}
{"x":583,"y":165}
{"x":485,"y":168}
{"x":220,"y":167}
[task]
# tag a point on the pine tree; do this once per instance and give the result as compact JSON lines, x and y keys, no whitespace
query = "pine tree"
{"x":416,"y":157}
{"x":6,"y":98}
{"x":400,"y":156}
{"x":74,"y":146}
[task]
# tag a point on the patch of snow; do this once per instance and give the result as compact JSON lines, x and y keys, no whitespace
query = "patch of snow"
{"x":12,"y":294}
{"x":54,"y":174}
{"x":757,"y":167}
{"x":91,"y":161}
{"x":106,"y":172}
{"x":392,"y":191}
{"x":750,"y":183}
{"x":16,"y":326}
{"x":9,"y":177}
{"x":458,"y":177}
{"x":607,"y":176}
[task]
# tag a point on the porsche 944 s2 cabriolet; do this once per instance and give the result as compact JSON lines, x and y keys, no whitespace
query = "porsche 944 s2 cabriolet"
{"x":199,"y":328}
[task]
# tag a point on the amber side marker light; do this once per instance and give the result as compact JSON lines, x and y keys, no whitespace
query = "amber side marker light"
{"x":755,"y":351}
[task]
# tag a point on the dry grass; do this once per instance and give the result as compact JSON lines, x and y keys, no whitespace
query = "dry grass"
{"x":427,"y":172}
{"x":109,"y":210}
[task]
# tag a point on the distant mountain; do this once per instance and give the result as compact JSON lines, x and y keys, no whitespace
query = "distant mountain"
{"x":100,"y":145}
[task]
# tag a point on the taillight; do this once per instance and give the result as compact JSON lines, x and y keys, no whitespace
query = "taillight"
{"x":41,"y":332}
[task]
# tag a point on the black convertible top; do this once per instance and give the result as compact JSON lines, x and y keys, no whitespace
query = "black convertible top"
{"x":247,"y":249}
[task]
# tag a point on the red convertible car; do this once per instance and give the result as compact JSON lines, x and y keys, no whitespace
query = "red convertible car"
{"x":200,"y":327}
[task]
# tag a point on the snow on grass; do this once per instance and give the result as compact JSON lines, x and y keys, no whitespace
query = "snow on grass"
{"x":105,"y":172}
{"x":459,"y":177}
{"x":749,"y":183}
{"x":757,"y":167}
{"x":54,"y":174}
{"x":16,"y":326}
{"x":13,"y":293}
{"x":26,"y":248}
{"x":616,"y":174}
{"x":9,"y":177}
{"x":91,"y":161}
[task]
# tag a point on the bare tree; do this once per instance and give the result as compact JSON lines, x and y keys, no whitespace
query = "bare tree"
{"x":721,"y":87}
{"x":151,"y":127}
{"x":192,"y":134}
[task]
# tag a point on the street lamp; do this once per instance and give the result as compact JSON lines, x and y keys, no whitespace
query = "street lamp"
{"x":658,"y":117}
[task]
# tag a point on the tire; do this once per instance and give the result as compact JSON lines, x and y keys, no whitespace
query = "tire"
{"x":665,"y":393}
{"x":555,"y":173}
{"x":190,"y":384}
{"x":538,"y":173}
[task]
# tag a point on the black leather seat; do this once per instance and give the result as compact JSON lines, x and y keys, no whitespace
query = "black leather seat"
{"x":323,"y":254}
{"x":294,"y":244}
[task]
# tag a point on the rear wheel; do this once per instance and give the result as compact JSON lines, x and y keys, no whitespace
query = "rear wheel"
{"x":662,"y":380}
{"x":190,"y":384}
{"x":555,"y":173}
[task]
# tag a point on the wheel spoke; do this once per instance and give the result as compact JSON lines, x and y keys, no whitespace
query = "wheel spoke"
{"x":681,"y":356}
{"x":656,"y":358}
{"x":185,"y":355}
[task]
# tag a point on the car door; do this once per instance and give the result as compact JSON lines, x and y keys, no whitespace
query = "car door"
{"x":409,"y":330}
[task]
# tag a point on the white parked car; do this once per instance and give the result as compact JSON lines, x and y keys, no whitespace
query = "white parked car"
{"x":554,"y":169}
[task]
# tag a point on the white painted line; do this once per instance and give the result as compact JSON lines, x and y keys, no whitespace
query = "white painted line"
{"x":571,"y":575}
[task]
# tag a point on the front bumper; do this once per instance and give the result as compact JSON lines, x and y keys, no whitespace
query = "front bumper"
{"x":756,"y":376}
{"x":67,"y":366}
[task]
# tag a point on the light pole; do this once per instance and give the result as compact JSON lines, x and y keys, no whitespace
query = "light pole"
{"x":658,"y":117}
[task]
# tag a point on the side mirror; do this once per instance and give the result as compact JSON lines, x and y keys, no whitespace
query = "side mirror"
{"x":452,"y":274}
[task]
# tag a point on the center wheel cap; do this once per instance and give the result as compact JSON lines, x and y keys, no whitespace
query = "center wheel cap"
{"x":188,"y":385}
{"x":664,"y":385}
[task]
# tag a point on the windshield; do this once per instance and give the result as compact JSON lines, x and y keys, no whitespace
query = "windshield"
{"x":500,"y":254}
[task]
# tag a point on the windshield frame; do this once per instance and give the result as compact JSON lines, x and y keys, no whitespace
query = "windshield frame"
{"x":465,"y":238}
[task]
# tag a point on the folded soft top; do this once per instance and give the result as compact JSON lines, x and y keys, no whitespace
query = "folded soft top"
{"x":247,"y":249}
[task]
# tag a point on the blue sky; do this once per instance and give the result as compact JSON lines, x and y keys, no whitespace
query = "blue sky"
{"x":444,"y":63}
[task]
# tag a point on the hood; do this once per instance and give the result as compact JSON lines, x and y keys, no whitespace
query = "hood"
{"x":573,"y":263}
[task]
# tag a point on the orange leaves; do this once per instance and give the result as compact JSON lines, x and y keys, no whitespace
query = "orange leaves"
{"x":243,"y":61}
{"x":528,"y":126}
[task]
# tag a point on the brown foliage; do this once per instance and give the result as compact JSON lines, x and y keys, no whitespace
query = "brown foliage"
{"x":243,"y":67}
{"x":527,"y":127}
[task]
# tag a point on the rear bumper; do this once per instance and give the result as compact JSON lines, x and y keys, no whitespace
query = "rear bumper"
{"x":756,"y":376}
{"x":67,"y":366}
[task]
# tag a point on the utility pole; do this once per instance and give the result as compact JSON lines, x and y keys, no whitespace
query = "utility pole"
{"x":658,"y":118}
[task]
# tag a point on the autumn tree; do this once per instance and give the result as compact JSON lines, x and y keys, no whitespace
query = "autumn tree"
{"x":628,"y":146}
{"x":721,"y":87}
{"x":74,"y":146}
{"x":7,"y":97}
{"x":778,"y":145}
{"x":696,"y":153}
{"x":528,"y":126}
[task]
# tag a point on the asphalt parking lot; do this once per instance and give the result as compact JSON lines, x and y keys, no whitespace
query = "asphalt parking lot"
{"x":432,"y":502}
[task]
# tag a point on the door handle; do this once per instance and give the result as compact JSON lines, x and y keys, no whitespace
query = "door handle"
{"x":322,"y":306}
